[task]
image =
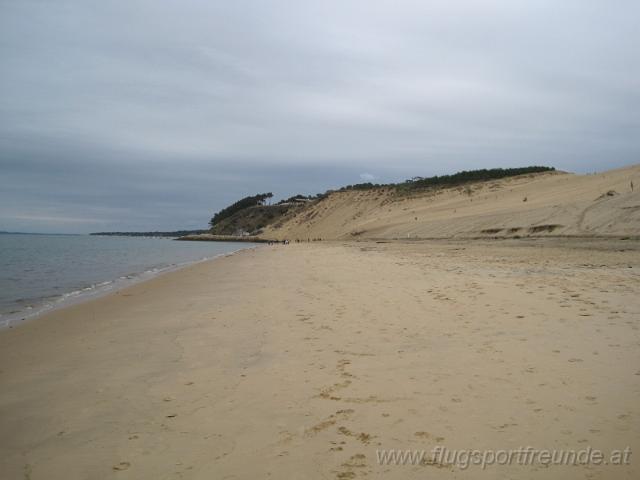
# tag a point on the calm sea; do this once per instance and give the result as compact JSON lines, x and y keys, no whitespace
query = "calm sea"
{"x":42,"y":272}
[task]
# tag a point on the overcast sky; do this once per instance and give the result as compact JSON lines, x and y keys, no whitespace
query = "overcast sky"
{"x":144,"y":115}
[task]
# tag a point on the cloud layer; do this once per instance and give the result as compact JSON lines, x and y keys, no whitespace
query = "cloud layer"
{"x":145,"y":114}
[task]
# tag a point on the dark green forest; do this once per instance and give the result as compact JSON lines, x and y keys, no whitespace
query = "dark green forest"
{"x":246,"y":202}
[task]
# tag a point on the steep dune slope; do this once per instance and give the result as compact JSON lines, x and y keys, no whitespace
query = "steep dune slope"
{"x":528,"y":205}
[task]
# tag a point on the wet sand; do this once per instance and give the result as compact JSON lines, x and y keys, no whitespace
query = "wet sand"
{"x":301,"y":361}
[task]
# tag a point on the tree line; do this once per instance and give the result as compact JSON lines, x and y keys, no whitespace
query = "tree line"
{"x":246,"y":202}
{"x":455,"y":179}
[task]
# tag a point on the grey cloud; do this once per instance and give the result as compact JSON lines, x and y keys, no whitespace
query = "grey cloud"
{"x":149,"y":114}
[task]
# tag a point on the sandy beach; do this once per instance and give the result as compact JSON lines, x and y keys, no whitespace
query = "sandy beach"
{"x":302,"y":361}
{"x":301,"y":240}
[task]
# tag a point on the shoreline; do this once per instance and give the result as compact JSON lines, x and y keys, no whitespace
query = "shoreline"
{"x":309,"y":357}
{"x":95,"y":291}
{"x":207,"y":237}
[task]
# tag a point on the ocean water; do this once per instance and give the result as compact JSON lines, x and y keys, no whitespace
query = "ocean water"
{"x":42,"y":272}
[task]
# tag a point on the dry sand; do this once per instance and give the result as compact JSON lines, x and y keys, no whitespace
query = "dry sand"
{"x":300,"y":361}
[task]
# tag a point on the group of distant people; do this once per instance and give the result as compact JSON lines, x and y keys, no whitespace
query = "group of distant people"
{"x":287,"y":242}
{"x":276,"y":242}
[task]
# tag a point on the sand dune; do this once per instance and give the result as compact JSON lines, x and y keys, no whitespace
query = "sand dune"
{"x":530,"y":205}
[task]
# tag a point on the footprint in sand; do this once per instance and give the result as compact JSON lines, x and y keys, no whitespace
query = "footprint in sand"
{"x":121,"y":466}
{"x":331,"y":420}
{"x":327,"y":393}
{"x":363,"y":437}
{"x":345,"y":475}
{"x":359,"y":460}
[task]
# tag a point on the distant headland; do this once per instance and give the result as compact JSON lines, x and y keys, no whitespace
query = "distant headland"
{"x":176,"y":233}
